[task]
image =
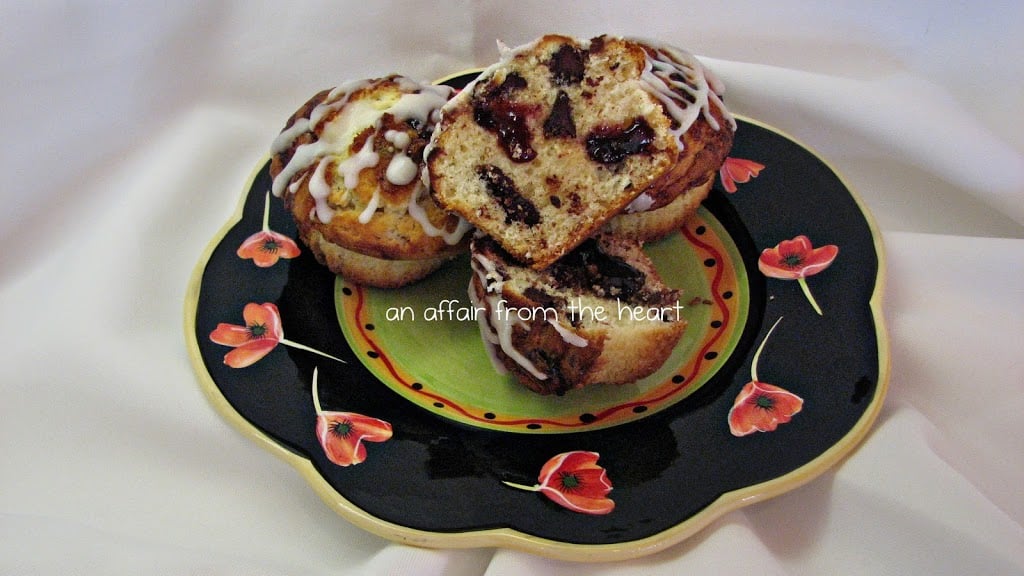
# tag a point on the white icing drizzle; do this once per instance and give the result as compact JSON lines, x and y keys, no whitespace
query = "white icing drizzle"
{"x":371,"y":207}
{"x":303,"y":157}
{"x":306,"y":154}
{"x":398,"y":139}
{"x":641,"y":203}
{"x":567,"y":335}
{"x":417,"y":102}
{"x":401,"y":170}
{"x":319,"y":189}
{"x":336,"y":99}
{"x":504,"y":50}
{"x":497,"y":331}
{"x":420,"y":101}
{"x":490,"y":337}
{"x":656,"y":79}
{"x":288,"y":135}
{"x":350,"y":168}
{"x":420,"y":215}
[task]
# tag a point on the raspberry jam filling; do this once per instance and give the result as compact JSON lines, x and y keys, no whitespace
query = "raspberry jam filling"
{"x":609,"y":145}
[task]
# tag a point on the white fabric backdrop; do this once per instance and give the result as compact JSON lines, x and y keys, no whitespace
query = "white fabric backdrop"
{"x":130,"y":131}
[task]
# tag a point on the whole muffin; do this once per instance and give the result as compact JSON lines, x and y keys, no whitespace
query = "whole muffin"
{"x":347,"y":165}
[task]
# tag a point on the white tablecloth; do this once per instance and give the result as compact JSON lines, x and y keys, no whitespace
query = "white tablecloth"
{"x":130,"y":130}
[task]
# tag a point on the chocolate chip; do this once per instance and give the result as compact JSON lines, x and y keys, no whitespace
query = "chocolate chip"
{"x":559,"y":123}
{"x":543,"y":299}
{"x":591,"y":268}
{"x":510,"y":84}
{"x":517,"y":207}
{"x":567,"y":65}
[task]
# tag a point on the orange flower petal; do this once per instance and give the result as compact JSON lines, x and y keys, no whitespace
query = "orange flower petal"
{"x":372,"y":429}
{"x":761,"y":407}
{"x":728,"y":182}
{"x":577,"y":503}
{"x":821,"y":258}
{"x":231,"y":335}
{"x":341,"y":434}
{"x":801,"y":245}
{"x":287,"y":246}
{"x":249,"y":354}
{"x":749,"y":168}
{"x":251,"y":245}
{"x":738,"y":170}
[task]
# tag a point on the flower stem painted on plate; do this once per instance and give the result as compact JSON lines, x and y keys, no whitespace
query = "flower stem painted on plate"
{"x":316,"y":392}
{"x":810,"y":297}
{"x":299,"y":346}
{"x":761,"y":407}
{"x":760,"y":348}
{"x":266,"y":213}
{"x":534,"y":488}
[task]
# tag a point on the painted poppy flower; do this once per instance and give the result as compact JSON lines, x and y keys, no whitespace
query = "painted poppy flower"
{"x":260,"y":334}
{"x":761,"y":407}
{"x":738,"y":170}
{"x":253,"y":340}
{"x":266,"y":247}
{"x":341,"y":434}
{"x":574,"y":480}
{"x":797,"y":259}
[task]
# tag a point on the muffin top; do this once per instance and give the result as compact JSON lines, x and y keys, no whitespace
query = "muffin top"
{"x":348,"y":164}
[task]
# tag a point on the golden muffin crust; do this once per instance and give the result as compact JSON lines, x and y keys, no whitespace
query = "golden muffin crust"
{"x":655,"y":223}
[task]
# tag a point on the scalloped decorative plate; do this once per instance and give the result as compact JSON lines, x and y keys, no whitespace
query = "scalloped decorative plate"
{"x":413,"y":358}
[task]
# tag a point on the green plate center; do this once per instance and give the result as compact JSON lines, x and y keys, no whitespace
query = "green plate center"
{"x":423,"y":341}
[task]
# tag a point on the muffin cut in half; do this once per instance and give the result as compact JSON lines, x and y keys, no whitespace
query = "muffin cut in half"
{"x":561,"y":135}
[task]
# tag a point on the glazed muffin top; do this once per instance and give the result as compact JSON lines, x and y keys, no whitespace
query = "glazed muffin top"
{"x":348,"y":164}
